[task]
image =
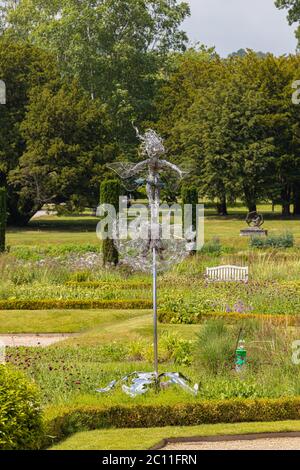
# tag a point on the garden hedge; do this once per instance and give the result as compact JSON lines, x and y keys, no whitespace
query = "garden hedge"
{"x":109,"y":285}
{"x":168,"y":317}
{"x":59,"y":304}
{"x":63,"y":422}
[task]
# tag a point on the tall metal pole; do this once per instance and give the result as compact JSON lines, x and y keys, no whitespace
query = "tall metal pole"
{"x":155,"y":336}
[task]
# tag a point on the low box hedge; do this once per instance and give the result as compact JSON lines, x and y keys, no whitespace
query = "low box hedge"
{"x":109,"y":285}
{"x":63,"y":422}
{"x":166,"y":317}
{"x":59,"y":304}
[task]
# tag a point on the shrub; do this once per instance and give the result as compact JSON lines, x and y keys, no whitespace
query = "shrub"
{"x":285,"y":240}
{"x":212,"y":247}
{"x":171,"y":348}
{"x":20,"y":413}
{"x":3,"y":218}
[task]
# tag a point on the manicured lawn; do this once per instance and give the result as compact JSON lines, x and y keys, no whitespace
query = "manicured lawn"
{"x":58,"y":230}
{"x":143,"y":439}
{"x":66,"y":321}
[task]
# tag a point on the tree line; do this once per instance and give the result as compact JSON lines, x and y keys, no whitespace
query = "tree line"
{"x":234,"y":120}
{"x":79,"y":73}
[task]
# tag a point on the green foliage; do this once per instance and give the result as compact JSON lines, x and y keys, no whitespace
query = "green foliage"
{"x":166,"y":317}
{"x":38,"y":253}
{"x":172,"y":348}
{"x":189,"y":195}
{"x":228,"y":300}
{"x":24,"y":68}
{"x":109,"y":194}
{"x":81,"y":282}
{"x":65,"y":421}
{"x":215,"y":347}
{"x":65,"y":146}
{"x":3,"y":217}
{"x":285,"y":240}
{"x":228,"y":114}
{"x":213,"y":248}
{"x":59,"y":304}
{"x":293,"y":7}
{"x":116,"y":49}
{"x":20,"y":413}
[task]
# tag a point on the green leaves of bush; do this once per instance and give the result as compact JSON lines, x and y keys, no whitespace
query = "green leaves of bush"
{"x":20,"y":414}
{"x":285,"y":240}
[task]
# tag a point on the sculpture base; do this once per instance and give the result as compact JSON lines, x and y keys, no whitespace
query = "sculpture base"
{"x":253,"y":232}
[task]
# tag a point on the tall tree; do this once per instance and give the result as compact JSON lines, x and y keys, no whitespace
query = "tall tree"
{"x":114,"y":48}
{"x":293,"y":7}
{"x":236,"y":120}
{"x":22,"y":67}
{"x":66,"y":146}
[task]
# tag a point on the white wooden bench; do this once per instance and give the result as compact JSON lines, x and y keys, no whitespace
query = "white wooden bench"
{"x":227,"y":274}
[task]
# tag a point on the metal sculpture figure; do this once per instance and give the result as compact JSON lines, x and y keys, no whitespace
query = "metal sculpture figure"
{"x":254,"y":219}
{"x":153,"y":148}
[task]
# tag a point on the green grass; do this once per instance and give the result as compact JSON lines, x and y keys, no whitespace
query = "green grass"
{"x":144,"y":439}
{"x":69,"y":372}
{"x":69,"y":321}
{"x":57,"y":230}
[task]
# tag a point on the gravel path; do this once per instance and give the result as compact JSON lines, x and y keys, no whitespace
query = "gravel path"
{"x":284,"y":443}
{"x":32,"y":340}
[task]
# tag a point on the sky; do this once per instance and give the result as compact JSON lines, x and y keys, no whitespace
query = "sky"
{"x":230,"y":25}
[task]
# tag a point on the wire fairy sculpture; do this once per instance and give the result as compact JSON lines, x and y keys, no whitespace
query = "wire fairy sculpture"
{"x":150,"y":252}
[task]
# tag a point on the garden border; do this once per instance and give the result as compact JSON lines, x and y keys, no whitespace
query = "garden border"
{"x":69,"y":304}
{"x":277,"y":319}
{"x":61,"y":422}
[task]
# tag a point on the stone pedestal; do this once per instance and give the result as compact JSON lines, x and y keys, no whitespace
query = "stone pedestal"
{"x":254,"y":232}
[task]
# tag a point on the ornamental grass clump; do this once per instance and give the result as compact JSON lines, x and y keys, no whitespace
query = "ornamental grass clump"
{"x":215,"y":347}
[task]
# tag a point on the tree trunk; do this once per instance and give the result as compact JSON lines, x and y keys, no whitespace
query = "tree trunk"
{"x":20,"y":213}
{"x":286,"y":209}
{"x":222,"y":206}
{"x":250,"y":200}
{"x":286,"y":201}
{"x":252,"y":207}
{"x":297,"y":200}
